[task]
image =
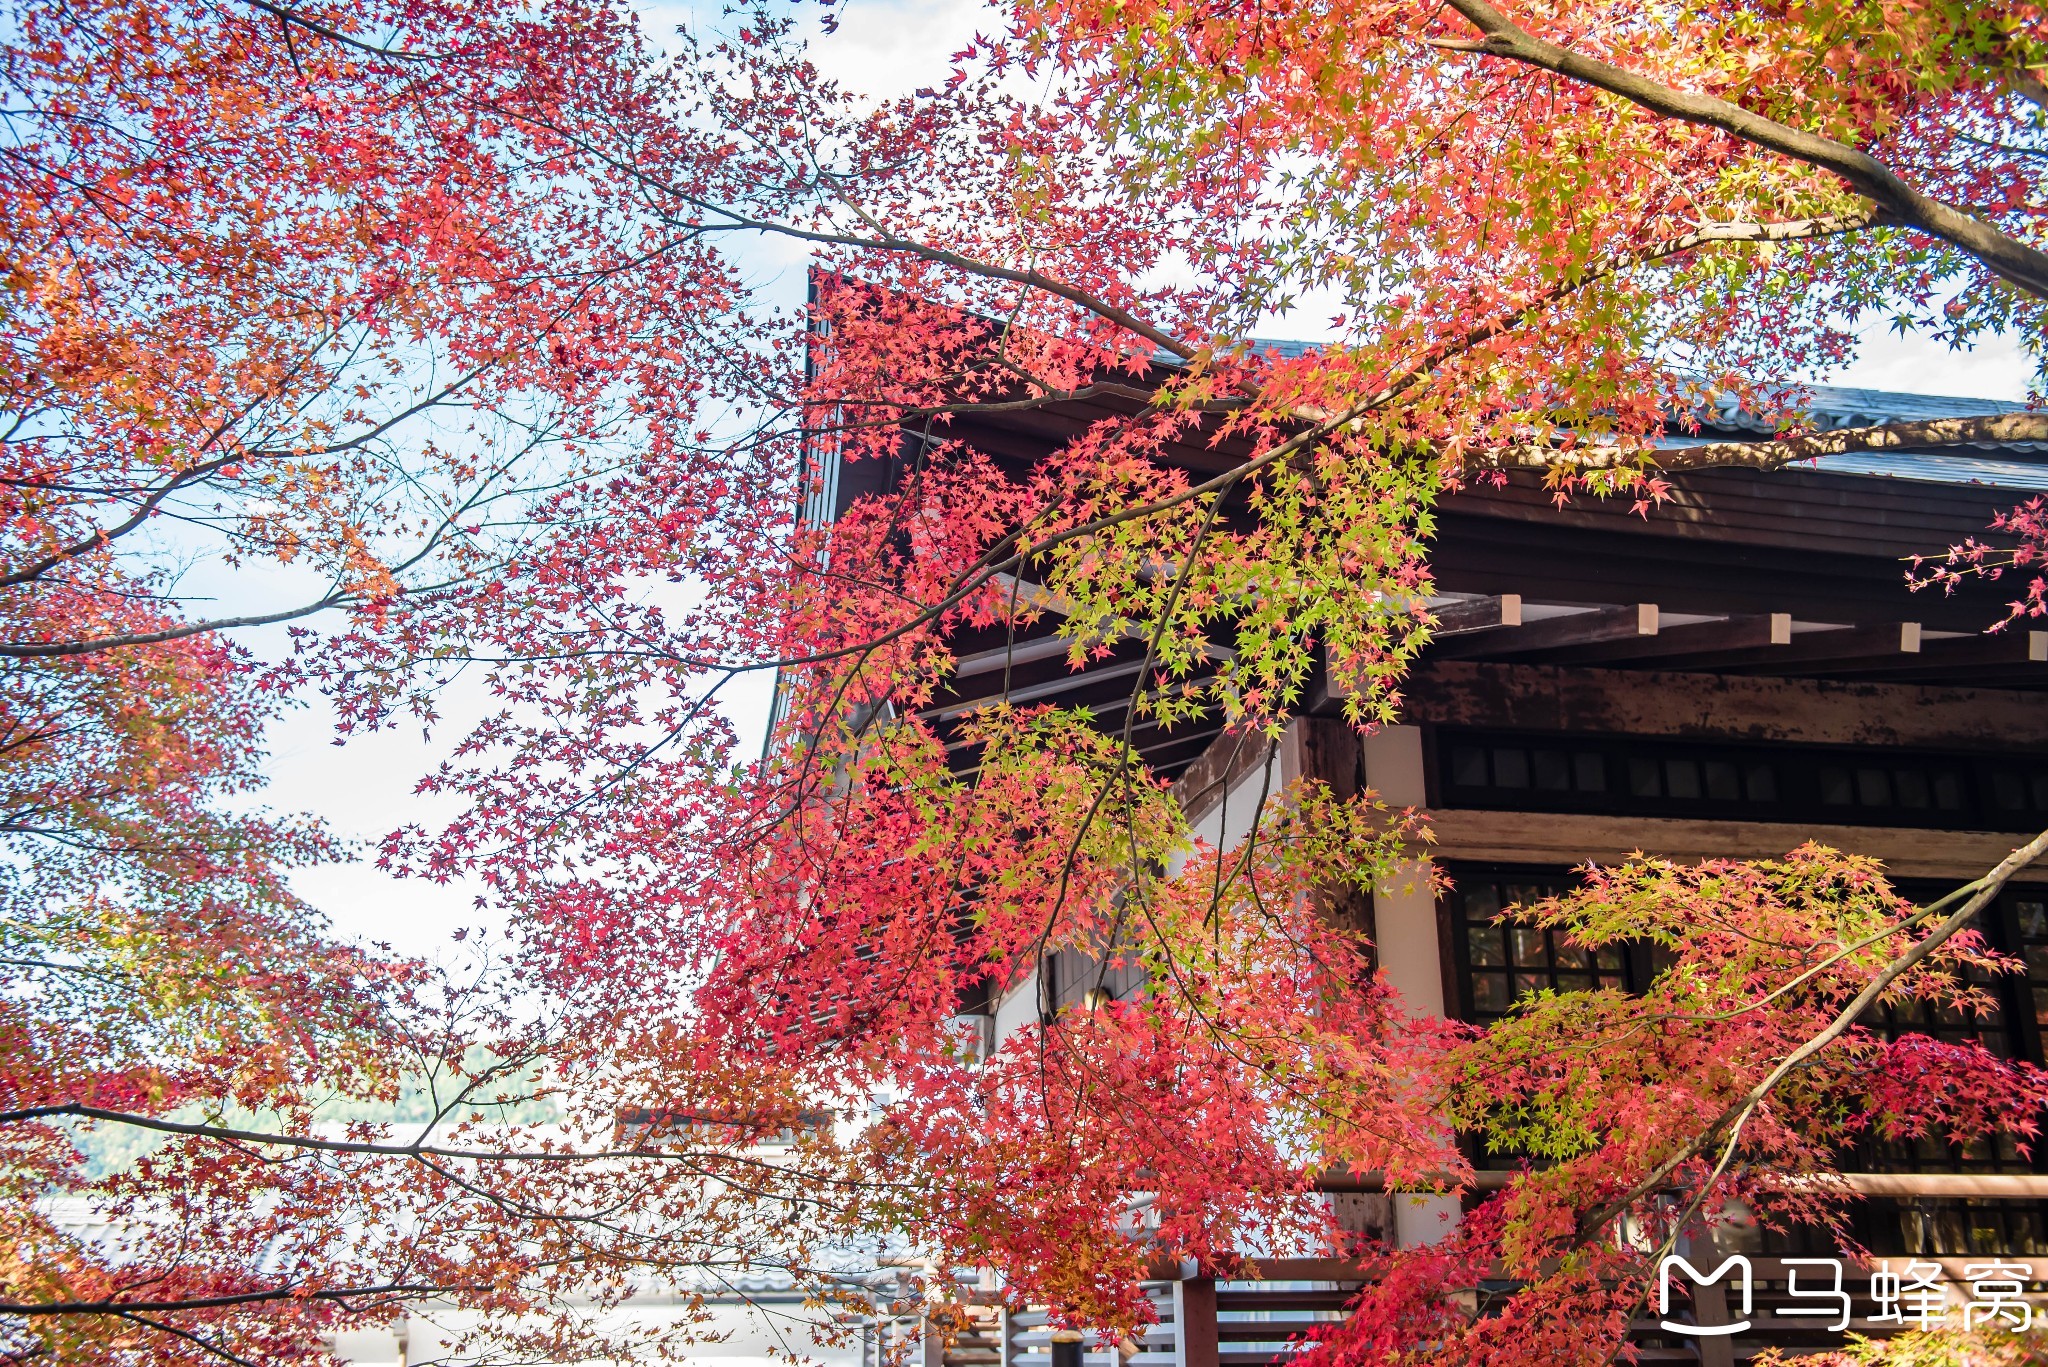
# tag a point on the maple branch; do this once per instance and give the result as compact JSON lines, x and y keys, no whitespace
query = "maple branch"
{"x":2020,"y":265}
{"x":288,"y":16}
{"x":890,"y":243}
{"x":43,"y":650}
{"x":1124,"y":751}
{"x":1737,"y":1114}
{"x":419,"y":1149}
{"x":1790,"y":230}
{"x":294,"y":1291}
{"x":144,"y":510}
{"x":209,"y":1348}
{"x":887,"y":242}
{"x":1774,"y":453}
{"x":1012,"y":548}
{"x":900,"y":414}
{"x":884,"y":241}
{"x":231,"y":1134}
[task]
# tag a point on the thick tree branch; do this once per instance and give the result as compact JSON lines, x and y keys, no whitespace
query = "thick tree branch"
{"x":143,"y":512}
{"x":289,"y":17}
{"x":420,"y":1150}
{"x":2020,"y":265}
{"x":291,"y":1292}
{"x":204,"y":1345}
{"x":44,"y":650}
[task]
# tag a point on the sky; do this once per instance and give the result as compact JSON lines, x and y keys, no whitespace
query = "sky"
{"x":882,"y":48}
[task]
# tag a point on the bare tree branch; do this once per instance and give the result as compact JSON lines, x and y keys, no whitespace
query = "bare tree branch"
{"x":44,"y":650}
{"x":288,"y":17}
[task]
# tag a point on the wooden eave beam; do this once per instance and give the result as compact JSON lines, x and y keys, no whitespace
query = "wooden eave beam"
{"x":1024,"y":650}
{"x":1675,"y":644}
{"x":1742,"y":708}
{"x":2015,"y":651}
{"x":1476,"y":614}
{"x":1884,"y":641}
{"x":1553,"y":633}
{"x":1046,"y":679}
{"x":1485,"y":836}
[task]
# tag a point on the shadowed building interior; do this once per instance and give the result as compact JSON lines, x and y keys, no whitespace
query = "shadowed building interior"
{"x":1730,"y":673}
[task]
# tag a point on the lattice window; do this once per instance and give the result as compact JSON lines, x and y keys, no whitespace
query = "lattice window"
{"x":1498,"y":963}
{"x":1648,"y":776}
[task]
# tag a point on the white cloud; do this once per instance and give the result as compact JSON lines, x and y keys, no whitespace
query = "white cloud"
{"x":1914,"y":364}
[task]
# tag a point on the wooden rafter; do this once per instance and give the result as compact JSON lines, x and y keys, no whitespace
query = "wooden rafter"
{"x":1553,"y":633}
{"x":1741,"y":631}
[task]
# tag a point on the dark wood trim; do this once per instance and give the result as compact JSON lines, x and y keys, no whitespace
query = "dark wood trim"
{"x":1560,"y":699}
{"x":1545,"y":838}
{"x":1450,"y":960}
{"x":1884,"y":642}
{"x":1477,"y":614}
{"x":1737,"y":632}
{"x":2017,"y":649}
{"x":1551,"y":561}
{"x":1330,"y":753}
{"x":1197,"y":1323}
{"x":1803,"y":509}
{"x":1623,"y":623}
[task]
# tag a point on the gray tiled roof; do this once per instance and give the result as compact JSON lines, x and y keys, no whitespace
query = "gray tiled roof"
{"x":1844,"y":406}
{"x":2006,"y":465}
{"x":1831,"y":406}
{"x":1928,"y":468}
{"x":1285,"y":349}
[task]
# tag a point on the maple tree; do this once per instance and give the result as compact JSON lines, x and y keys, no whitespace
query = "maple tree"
{"x":310,"y":313}
{"x":443,"y":316}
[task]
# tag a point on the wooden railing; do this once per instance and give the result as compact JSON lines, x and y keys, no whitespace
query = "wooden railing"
{"x":1264,"y":1317}
{"x":1202,"y":1322}
{"x":1209,"y":1323}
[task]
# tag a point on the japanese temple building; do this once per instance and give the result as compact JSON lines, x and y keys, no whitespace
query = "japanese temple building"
{"x":1738,"y":671}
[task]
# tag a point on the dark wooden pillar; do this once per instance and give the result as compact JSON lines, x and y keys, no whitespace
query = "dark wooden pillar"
{"x":1195,"y":1322}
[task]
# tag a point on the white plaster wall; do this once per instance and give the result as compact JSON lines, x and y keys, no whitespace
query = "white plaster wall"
{"x":1404,"y":910}
{"x":1405,"y":932}
{"x":1223,"y":826}
{"x":1017,"y":1008}
{"x":1231,"y":820}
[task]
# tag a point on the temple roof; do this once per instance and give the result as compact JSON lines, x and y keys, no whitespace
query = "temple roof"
{"x":1831,"y":406}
